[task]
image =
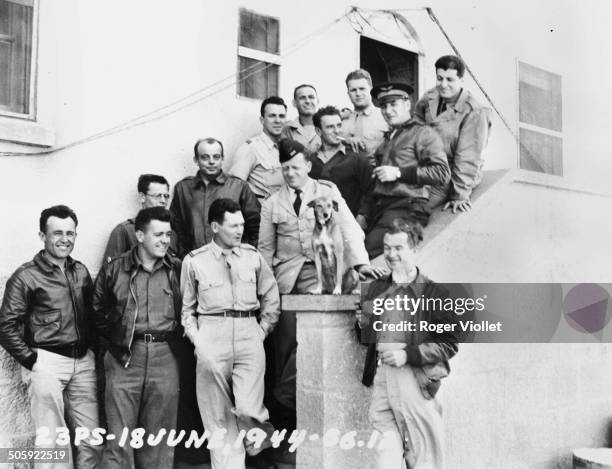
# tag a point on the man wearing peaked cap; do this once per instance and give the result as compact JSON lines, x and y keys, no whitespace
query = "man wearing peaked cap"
{"x":409,"y":162}
{"x":392,"y":90}
{"x":285,"y":241}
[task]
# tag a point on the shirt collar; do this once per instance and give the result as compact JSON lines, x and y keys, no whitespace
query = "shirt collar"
{"x":367,"y":111}
{"x":417,"y":285}
{"x":340,"y":149}
{"x":133,"y":262}
{"x":218,"y":250}
{"x":307,"y":188}
{"x":268,"y":142}
{"x":458,"y":102}
{"x":198,"y":180}
{"x":294,"y":124}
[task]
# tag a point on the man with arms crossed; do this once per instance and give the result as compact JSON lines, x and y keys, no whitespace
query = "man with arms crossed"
{"x":256,"y":160}
{"x":302,"y":130}
{"x":365,"y":127}
{"x":405,"y":368}
{"x":137,"y":304}
{"x":463,"y":123}
{"x":409,"y":163}
{"x":47,"y":326}
{"x":230,"y":304}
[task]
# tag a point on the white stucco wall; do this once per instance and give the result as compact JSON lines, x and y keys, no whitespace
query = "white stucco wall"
{"x":102,"y":63}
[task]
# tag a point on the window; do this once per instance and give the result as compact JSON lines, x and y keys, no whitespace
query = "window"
{"x":540,"y":125}
{"x":16,"y":40}
{"x":258,"y":55}
{"x":389,"y":63}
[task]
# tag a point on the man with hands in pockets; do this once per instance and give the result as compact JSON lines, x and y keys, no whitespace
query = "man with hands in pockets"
{"x":230,"y":303}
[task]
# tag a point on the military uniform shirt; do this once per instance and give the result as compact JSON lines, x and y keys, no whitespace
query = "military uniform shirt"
{"x":214,"y":280}
{"x":256,"y":161}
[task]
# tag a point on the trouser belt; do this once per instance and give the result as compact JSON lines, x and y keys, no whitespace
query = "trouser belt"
{"x":235,"y":314}
{"x":154,"y":336}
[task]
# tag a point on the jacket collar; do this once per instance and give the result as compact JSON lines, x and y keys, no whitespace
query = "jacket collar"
{"x":197,"y":180}
{"x":131,"y":261}
{"x":42,"y":261}
{"x":460,"y":105}
{"x":409,"y":123}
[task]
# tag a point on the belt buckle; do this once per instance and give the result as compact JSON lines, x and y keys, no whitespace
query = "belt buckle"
{"x":148,"y":338}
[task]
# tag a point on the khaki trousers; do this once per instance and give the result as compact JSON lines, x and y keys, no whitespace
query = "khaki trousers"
{"x":411,"y":423}
{"x":230,"y":382}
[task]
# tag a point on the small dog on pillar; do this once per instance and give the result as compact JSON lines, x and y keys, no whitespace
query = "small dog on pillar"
{"x":328,"y":247}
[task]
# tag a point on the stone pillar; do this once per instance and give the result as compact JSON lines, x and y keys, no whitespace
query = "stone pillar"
{"x":330,"y":395}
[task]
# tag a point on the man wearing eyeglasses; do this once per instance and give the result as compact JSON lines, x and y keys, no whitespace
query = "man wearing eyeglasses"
{"x":153,"y":191}
{"x":194,"y":195}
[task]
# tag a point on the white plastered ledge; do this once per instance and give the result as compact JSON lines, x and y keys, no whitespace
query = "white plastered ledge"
{"x":26,"y":132}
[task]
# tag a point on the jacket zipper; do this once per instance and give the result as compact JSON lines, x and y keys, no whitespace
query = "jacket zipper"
{"x":74,"y":308}
{"x":134,"y":325}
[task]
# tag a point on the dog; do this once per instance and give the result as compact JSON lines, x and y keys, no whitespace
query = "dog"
{"x":328,"y":248}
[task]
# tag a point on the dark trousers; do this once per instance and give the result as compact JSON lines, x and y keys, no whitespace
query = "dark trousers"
{"x":145,"y":395}
{"x":387,"y":210}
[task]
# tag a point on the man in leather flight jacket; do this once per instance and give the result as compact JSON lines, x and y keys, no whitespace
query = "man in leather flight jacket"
{"x":137,"y":306}
{"x":405,"y":367}
{"x":46,"y":325}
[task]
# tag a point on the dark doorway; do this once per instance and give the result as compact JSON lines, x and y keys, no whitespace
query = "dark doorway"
{"x":389,"y":63}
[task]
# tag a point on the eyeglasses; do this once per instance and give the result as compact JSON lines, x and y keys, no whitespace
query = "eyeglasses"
{"x":159,"y":196}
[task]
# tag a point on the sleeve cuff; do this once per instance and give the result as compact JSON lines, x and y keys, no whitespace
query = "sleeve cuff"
{"x":30,"y":360}
{"x":409,"y":174}
{"x":413,"y":355}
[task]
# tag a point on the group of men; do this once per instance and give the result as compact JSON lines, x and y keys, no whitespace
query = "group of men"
{"x":243,"y":227}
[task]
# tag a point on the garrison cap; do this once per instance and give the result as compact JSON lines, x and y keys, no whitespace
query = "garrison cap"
{"x":288,"y":148}
{"x":392,"y":90}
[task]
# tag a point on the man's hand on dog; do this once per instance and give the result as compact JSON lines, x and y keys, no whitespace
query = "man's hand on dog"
{"x":366,"y":271}
{"x":386,"y":173}
{"x":361,"y":221}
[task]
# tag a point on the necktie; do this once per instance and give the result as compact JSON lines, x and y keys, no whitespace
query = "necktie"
{"x":297,"y":203}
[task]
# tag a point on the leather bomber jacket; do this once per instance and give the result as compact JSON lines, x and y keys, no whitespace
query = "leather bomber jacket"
{"x":46,"y":308}
{"x":115,"y":304}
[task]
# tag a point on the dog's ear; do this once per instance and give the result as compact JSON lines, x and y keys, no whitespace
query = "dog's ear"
{"x":311,"y":204}
{"x":335,"y":205}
